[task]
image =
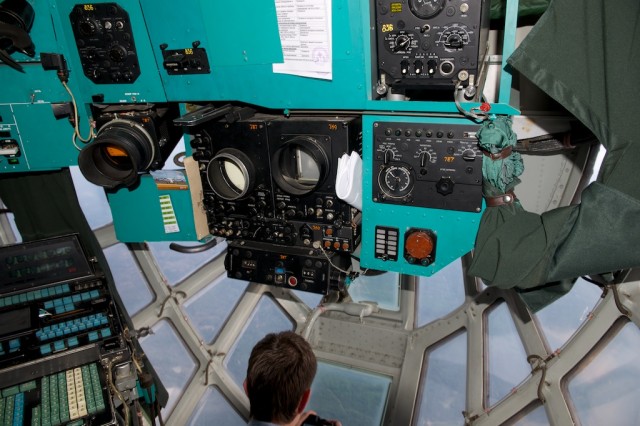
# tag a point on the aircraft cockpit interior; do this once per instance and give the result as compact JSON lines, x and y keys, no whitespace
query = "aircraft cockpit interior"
{"x":440,"y":197}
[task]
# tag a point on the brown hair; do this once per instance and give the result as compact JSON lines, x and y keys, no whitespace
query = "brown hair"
{"x":281,"y":368}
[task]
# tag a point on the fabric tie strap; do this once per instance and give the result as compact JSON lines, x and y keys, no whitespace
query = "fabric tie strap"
{"x":499,"y":155}
{"x":501,"y":200}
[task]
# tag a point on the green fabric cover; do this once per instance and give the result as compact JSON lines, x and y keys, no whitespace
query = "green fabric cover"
{"x":583,"y":53}
{"x":45,"y":205}
{"x":525,"y":8}
{"x":501,"y":174}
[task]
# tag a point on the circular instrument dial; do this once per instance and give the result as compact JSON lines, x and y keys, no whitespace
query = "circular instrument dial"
{"x":396,"y":181}
{"x":424,"y":9}
{"x":454,"y":37}
{"x":402,"y":42}
{"x":231,"y":174}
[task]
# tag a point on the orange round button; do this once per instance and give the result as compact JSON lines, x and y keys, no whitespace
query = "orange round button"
{"x":419,"y":245}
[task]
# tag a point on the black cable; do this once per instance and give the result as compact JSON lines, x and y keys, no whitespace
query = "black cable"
{"x":194,"y":249}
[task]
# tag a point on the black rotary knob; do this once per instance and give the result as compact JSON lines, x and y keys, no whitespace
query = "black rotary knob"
{"x":117,"y":53}
{"x":445,"y":186}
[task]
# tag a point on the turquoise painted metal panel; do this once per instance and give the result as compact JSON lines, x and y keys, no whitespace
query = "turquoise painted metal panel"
{"x":242,"y":63}
{"x":455,"y":231}
{"x":142,"y":214}
{"x":45,"y":143}
{"x":26,"y":102}
{"x":181,"y":34}
{"x":243,"y":32}
{"x":146,"y":88}
{"x":35,"y":84}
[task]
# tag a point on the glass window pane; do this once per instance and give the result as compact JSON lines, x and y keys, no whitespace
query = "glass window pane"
{"x":354,"y":397}
{"x":310,"y":299}
{"x":171,"y":360}
{"x":440,"y":293}
{"x":214,"y":408}
{"x":508,"y":364}
{"x":131,"y":284}
{"x":605,"y":391}
{"x":266,"y":318}
{"x":176,"y":266}
{"x":92,"y":199}
{"x":563,"y":317}
{"x":536,"y":417}
{"x":14,"y":228}
{"x":444,"y":381}
{"x":383,"y":289}
{"x":209,"y":309}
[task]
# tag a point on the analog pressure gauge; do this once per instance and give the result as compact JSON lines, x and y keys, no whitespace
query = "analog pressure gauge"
{"x":425,"y":9}
{"x":396,"y":181}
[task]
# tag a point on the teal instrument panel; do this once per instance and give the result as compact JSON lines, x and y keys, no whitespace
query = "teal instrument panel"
{"x":124,"y":55}
{"x":411,"y":163}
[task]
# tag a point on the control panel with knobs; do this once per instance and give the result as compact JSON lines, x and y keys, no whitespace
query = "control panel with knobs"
{"x":427,"y":165}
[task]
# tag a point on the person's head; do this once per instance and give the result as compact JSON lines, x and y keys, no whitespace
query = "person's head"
{"x":279,"y":376}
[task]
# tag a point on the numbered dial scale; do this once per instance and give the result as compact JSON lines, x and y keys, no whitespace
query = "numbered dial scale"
{"x":427,"y":165}
{"x":431,"y":43}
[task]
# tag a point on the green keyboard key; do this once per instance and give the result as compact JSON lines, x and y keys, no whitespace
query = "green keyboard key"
{"x":88,"y":390}
{"x":13,"y":390}
{"x":8,"y":410}
{"x":62,"y":397}
{"x":2,"y":404}
{"x":97,"y":388}
{"x":35,"y":416}
{"x":45,"y":409}
{"x":54,"y":408}
{"x":29,"y":386}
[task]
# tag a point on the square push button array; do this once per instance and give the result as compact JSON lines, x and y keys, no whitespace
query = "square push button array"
{"x":386,"y":243}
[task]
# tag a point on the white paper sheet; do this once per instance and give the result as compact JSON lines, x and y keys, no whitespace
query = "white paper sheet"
{"x":305,"y":35}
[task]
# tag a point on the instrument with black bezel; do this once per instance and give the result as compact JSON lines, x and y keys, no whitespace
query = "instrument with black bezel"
{"x":429,"y":44}
{"x":295,"y":268}
{"x":105,"y":43}
{"x":427,"y":165}
{"x":238,"y":194}
{"x":272,"y":179}
{"x":304,"y":153}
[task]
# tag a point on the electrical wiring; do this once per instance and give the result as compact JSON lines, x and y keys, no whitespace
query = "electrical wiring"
{"x":117,"y":393}
{"x":476,"y":114}
{"x":318,"y":245}
{"x":76,"y":130}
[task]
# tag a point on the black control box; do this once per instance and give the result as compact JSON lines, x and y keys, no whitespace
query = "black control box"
{"x":427,"y":165}
{"x":288,"y":267}
{"x":104,"y":38}
{"x":271,"y":179}
{"x":430,"y":44}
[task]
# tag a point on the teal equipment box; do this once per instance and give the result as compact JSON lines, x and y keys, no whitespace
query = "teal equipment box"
{"x":159,"y":209}
{"x":422,"y":192}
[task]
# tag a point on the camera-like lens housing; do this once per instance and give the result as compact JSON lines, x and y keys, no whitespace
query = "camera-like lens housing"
{"x":128,"y":142}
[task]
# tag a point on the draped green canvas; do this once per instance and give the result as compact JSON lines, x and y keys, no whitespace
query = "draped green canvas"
{"x":584,"y":54}
{"x":525,"y":8}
